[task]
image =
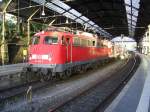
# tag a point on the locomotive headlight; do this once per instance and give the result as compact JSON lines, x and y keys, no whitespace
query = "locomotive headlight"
{"x":34,"y":56}
{"x":45,"y":57}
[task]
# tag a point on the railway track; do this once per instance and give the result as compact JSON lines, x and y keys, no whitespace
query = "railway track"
{"x":9,"y":92}
{"x":98,"y":97}
{"x":18,"y":90}
{"x":11,"y":104}
{"x":131,"y":70}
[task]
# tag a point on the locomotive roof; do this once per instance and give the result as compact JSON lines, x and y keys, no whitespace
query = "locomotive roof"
{"x":51,"y":32}
{"x":66,"y":33}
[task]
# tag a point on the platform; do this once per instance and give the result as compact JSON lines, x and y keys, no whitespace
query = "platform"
{"x":11,"y":69}
{"x":135,"y":96}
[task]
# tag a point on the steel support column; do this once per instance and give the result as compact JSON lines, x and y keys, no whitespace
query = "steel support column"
{"x":28,"y":25}
{"x":131,"y":19}
{"x":4,"y":48}
{"x":3,"y":40}
{"x":148,"y":39}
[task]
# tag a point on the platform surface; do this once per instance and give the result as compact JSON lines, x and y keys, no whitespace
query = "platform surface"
{"x":135,"y":96}
{"x":11,"y":69}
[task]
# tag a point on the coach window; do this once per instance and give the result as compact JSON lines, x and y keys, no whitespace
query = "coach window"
{"x":76,"y":41}
{"x":99,"y":43}
{"x":50,"y":40}
{"x":36,"y":40}
{"x":82,"y":42}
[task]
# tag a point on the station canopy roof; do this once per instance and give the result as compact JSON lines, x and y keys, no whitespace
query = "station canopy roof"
{"x":143,"y":19}
{"x":110,"y":18}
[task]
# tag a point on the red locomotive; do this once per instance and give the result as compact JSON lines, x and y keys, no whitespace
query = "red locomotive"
{"x":57,"y":52}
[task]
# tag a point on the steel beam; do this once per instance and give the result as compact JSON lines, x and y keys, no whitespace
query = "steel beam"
{"x":3,"y":46}
{"x":28,"y":24}
{"x":132,"y":7}
{"x":132,"y":15}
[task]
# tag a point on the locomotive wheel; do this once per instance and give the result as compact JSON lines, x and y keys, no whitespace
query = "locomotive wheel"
{"x":58,"y":76}
{"x":62,"y":75}
{"x":49,"y":76}
{"x":65,"y":74}
{"x":68,"y":72}
{"x":26,"y":75}
{"x":44,"y":77}
{"x":95,"y":66}
{"x":83,"y":69}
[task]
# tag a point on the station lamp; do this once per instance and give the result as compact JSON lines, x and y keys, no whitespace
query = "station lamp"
{"x":43,"y":11}
{"x":67,"y":21}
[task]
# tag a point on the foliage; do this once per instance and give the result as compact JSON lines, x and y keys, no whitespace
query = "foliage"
{"x":13,"y":36}
{"x":36,"y":27}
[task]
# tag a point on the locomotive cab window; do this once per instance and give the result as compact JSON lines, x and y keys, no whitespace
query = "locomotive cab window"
{"x":50,"y":40}
{"x":36,"y":40}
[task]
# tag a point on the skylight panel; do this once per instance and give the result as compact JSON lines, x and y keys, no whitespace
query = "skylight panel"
{"x":54,"y":8}
{"x":84,"y":18}
{"x":69,"y":15}
{"x":88,"y":25}
{"x":91,"y":22}
{"x":39,"y":1}
{"x":76,"y":13}
{"x":95,"y":25}
{"x":79,"y":21}
{"x":135,"y":3}
{"x":61,"y":4}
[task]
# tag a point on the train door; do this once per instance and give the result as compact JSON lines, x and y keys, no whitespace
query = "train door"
{"x":68,"y":49}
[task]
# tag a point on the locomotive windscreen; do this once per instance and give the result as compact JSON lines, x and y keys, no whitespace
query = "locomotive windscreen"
{"x":50,"y":40}
{"x":36,"y":40}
